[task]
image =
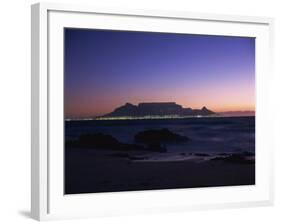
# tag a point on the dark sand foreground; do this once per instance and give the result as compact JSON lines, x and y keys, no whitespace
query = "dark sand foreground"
{"x":88,"y":171}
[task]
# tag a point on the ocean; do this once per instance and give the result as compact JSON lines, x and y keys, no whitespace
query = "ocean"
{"x":220,"y":152}
{"x":206,"y":134}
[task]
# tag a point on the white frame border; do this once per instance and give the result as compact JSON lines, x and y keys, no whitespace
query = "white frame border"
{"x":40,"y":104}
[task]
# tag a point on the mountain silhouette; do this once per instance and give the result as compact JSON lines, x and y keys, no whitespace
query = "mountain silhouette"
{"x":157,"y":109}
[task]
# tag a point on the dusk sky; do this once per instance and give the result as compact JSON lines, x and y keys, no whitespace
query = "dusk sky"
{"x":105,"y":69}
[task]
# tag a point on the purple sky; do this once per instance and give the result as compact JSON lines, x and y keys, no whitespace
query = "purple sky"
{"x":105,"y":69}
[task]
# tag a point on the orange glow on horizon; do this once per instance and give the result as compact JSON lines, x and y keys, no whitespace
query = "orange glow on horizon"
{"x":230,"y":97}
{"x":91,"y":111}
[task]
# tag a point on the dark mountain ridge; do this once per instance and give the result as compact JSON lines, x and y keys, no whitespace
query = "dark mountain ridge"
{"x":157,"y":109}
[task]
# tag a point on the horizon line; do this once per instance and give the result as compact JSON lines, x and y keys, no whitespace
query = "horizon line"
{"x":217,"y":112}
{"x":185,"y":107}
{"x":159,"y":118}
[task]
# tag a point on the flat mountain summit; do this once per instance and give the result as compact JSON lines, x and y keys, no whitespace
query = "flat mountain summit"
{"x":158,"y":109}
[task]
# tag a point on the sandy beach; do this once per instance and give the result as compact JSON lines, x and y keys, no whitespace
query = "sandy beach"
{"x":91,"y":171}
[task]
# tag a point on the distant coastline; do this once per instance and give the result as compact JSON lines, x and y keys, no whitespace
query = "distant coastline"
{"x":156,"y":118}
{"x":162,"y":110}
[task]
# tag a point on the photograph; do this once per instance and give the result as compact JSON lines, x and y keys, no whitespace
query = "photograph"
{"x":157,"y":110}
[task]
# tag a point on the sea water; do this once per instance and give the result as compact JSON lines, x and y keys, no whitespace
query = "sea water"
{"x":207,"y":134}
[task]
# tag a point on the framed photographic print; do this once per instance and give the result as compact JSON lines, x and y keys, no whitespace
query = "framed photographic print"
{"x":148,"y":111}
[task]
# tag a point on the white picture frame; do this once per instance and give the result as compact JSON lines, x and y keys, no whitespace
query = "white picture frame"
{"x":47,"y":198}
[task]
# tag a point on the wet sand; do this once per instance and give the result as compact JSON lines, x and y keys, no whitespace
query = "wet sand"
{"x":88,"y":171}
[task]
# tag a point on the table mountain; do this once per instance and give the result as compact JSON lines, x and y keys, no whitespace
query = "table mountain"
{"x":157,"y":109}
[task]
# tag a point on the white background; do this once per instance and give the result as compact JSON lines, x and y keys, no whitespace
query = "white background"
{"x":15,"y":111}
